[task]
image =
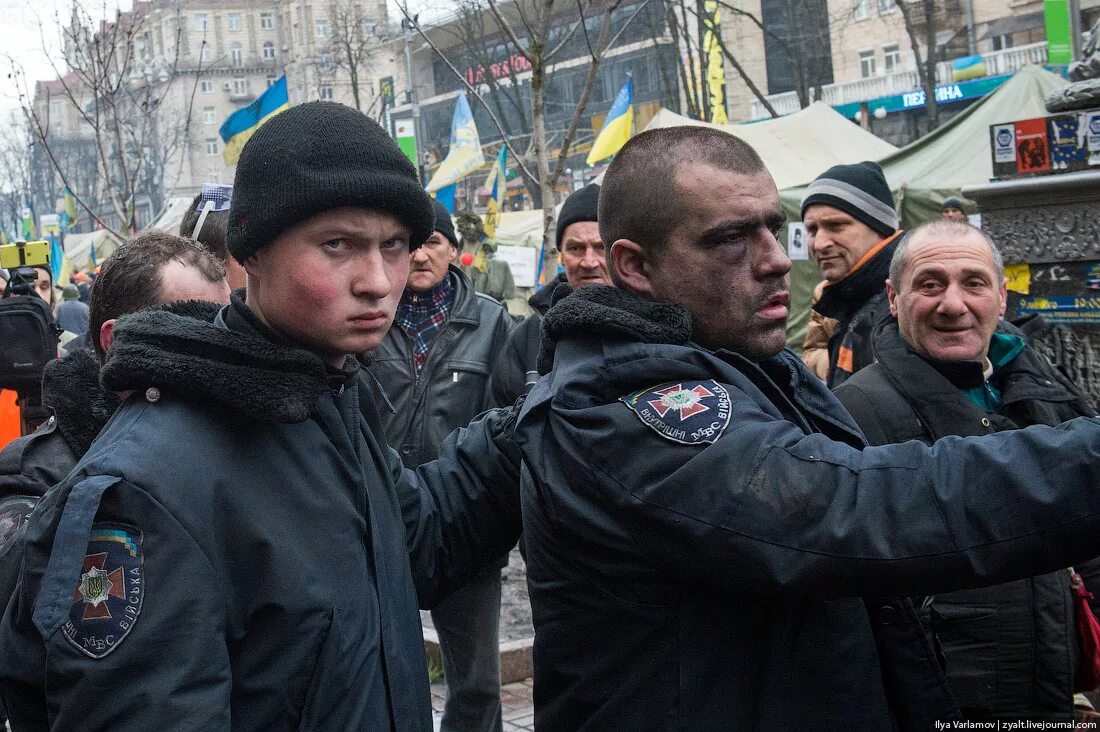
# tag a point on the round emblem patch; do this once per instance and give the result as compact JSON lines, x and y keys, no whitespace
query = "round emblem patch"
{"x":109,"y":592}
{"x":690,"y":412}
{"x":14,"y":512}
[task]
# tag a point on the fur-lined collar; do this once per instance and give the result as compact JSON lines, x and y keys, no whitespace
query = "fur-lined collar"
{"x":71,"y":390}
{"x":599,"y":311}
{"x":185,"y":354}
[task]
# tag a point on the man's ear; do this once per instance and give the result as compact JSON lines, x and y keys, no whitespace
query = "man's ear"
{"x":107,"y":334}
{"x":1004,"y":296}
{"x":892,"y":296}
{"x":631,"y":265}
{"x":252,"y":264}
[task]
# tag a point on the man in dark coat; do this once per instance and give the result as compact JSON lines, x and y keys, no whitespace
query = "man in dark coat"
{"x":434,"y":367}
{"x":944,"y":367}
{"x":707,"y":535}
{"x":849,"y":214}
{"x":585,"y":262}
{"x":240,"y":548}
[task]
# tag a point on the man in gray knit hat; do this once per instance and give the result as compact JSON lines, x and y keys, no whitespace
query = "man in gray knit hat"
{"x":849,"y":214}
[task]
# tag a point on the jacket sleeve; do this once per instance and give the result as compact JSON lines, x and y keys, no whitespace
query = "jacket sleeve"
{"x":461,"y":511}
{"x":503,"y":326}
{"x":508,"y":380}
{"x":815,"y":346}
{"x":167,"y":662}
{"x":770,"y":507}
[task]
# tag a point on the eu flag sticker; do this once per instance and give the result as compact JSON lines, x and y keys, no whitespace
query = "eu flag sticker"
{"x":109,"y":593}
{"x":689,"y":412}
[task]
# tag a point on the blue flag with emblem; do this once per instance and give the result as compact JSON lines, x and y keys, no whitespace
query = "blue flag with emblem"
{"x":464,"y":155}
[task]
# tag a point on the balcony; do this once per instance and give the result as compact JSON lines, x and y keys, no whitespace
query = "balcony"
{"x":1006,"y":61}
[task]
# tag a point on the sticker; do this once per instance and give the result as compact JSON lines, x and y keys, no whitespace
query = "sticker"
{"x":1004,"y":143}
{"x":1032,"y":150}
{"x":1063,"y":309}
{"x":1018,"y":278}
{"x":689,"y":412}
{"x":14,"y":512}
{"x":109,"y":594}
{"x":797,"y":242}
{"x":1091,"y":123}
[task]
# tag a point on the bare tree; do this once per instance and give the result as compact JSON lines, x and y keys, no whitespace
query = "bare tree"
{"x":921,"y":15}
{"x":113,"y":86}
{"x":547,"y":28}
{"x":354,"y":36}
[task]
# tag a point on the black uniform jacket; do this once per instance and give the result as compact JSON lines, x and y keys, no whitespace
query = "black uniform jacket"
{"x":240,"y":549}
{"x":518,"y":362}
{"x":1011,"y":648}
{"x":702,"y":533}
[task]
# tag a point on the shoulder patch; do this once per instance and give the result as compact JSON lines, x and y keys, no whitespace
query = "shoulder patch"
{"x":689,"y":412}
{"x":14,"y":512}
{"x":109,"y":594}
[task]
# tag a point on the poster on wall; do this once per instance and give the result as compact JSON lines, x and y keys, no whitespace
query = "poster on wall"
{"x":522,"y":261}
{"x":797,"y":242}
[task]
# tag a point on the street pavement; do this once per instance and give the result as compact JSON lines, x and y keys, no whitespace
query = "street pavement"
{"x":516,"y":702}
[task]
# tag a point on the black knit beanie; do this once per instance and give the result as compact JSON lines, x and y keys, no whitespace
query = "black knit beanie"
{"x":314,"y":157}
{"x":953,"y":202}
{"x":859,"y":190}
{"x":443,"y":223}
{"x":580,"y":206}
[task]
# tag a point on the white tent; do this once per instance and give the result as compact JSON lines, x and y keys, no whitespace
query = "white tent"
{"x":798,"y":147}
{"x":171,"y":216}
{"x":78,"y":248}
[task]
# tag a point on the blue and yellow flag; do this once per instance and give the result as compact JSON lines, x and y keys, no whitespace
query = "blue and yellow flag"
{"x":617,"y":127}
{"x":242,"y":124}
{"x":464,"y":155}
{"x":497,"y":183}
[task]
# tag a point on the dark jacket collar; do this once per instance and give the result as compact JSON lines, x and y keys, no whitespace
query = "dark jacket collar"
{"x":464,"y":309}
{"x":235,"y":363}
{"x":932,"y":387}
{"x":71,"y":390}
{"x":541,"y":301}
{"x":867,"y":279}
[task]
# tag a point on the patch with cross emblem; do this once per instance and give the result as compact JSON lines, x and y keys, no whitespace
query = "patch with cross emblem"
{"x":690,"y":412}
{"x":109,"y":593}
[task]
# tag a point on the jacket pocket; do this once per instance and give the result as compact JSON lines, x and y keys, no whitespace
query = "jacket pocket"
{"x":968,"y":636}
{"x":322,"y":697}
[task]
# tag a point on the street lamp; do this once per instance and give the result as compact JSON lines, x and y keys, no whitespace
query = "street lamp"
{"x":409,"y":25}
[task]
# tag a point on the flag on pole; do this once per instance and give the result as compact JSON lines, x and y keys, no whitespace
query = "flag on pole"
{"x":497,"y":183}
{"x":239,"y":127}
{"x":464,"y":155}
{"x":446,"y":196}
{"x":617,"y":127}
{"x":69,"y":210}
{"x":716,"y":71}
{"x":57,"y":257}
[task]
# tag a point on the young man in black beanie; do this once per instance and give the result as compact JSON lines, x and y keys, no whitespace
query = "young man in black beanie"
{"x":849,"y":215}
{"x":241,"y":548}
{"x":582,"y":256}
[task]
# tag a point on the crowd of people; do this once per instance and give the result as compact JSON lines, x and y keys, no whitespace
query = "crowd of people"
{"x":305,"y":418}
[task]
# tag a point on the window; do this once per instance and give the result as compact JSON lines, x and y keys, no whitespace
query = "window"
{"x":862,"y":9}
{"x":887,"y":6}
{"x":326,"y":92}
{"x":891,"y":59}
{"x":234,"y":21}
{"x":866,"y":64}
{"x":204,"y":52}
{"x":236,"y":55}
{"x":369,"y":26}
{"x":295,"y":34}
{"x":269,"y":51}
{"x":321,"y":28}
{"x":55,"y":109}
{"x":209,"y":116}
{"x":267,"y":21}
{"x":201,"y":21}
{"x":211,"y":146}
{"x":271,"y":80}
{"x":325,"y":61}
{"x":206,"y":86}
{"x":1002,"y":42}
{"x":240,"y":87}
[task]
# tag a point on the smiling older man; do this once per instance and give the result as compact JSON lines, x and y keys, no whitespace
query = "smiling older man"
{"x":946,"y":366}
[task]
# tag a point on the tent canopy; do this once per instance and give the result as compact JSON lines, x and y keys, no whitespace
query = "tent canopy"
{"x":171,"y":216}
{"x":798,"y":147}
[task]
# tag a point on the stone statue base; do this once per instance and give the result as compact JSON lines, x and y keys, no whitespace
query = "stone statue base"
{"x":1078,"y":95}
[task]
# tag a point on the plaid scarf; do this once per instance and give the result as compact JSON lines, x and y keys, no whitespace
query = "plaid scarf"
{"x":423,"y":315}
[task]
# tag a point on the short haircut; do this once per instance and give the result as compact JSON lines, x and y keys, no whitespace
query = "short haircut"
{"x":944,"y":228}
{"x":130,"y":279}
{"x":638,"y":197}
{"x":213,"y":232}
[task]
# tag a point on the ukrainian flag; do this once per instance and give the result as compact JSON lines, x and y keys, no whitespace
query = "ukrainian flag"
{"x":617,"y":127}
{"x":464,"y":155}
{"x":242,"y":124}
{"x":497,"y":183}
